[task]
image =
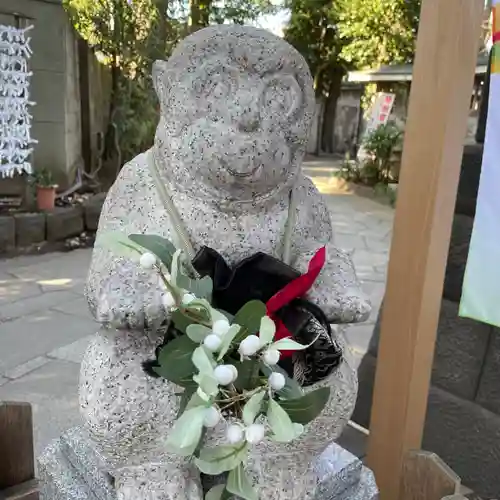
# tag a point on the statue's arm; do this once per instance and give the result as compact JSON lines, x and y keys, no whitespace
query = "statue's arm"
{"x":119,"y":292}
{"x":337,"y":290}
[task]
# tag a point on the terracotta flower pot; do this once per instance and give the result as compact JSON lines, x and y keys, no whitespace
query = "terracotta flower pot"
{"x":46,"y":197}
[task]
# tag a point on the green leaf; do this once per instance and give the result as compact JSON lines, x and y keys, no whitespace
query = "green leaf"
{"x":185,"y":398}
{"x":201,"y":288}
{"x":246,"y":374}
{"x":182,"y":318}
{"x":186,"y":432}
{"x":267,"y":330}
{"x":207,"y":384}
{"x":175,"y":266}
{"x":214,"y":461}
{"x":203,"y":361}
{"x":305,"y":409}
{"x":250,"y":316}
{"x":280,"y":422}
{"x":298,"y":430}
{"x":197,"y":333}
{"x":120,"y":245}
{"x":253,"y":408}
{"x":227,"y":340}
{"x":196,"y":401}
{"x":175,"y":360}
{"x":289,"y":345}
{"x":292,"y":388}
{"x":238,"y":484}
{"x":161,"y":247}
{"x":218,"y":314}
{"x":216,"y":493}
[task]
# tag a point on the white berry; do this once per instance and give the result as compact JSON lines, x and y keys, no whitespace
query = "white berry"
{"x":212,"y":417}
{"x":271,"y":357}
{"x":168,"y":300}
{"x":234,"y":370}
{"x":224,"y":374}
{"x":277,"y":381}
{"x":212,"y":342}
{"x":255,"y":433}
{"x":221,"y":327}
{"x":188,"y":298}
{"x":147,"y":261}
{"x":235,"y":434}
{"x":250,"y":345}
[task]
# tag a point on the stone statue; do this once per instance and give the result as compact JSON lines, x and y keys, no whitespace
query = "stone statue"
{"x":236,"y":109}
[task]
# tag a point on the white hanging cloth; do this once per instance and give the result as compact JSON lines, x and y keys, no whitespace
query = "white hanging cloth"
{"x":16,"y":144}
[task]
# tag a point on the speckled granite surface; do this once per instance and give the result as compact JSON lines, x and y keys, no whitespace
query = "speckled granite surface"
{"x":70,"y":470}
{"x":236,"y":109}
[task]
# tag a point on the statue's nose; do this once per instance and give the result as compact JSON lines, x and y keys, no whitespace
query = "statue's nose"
{"x":248,"y":112}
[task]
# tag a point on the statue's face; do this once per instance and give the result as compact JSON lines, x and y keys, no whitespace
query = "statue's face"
{"x":231,"y":124}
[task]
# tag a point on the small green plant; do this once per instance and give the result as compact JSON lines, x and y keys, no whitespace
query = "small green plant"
{"x":43,"y":177}
{"x":379,"y":146}
{"x":386,"y":193}
{"x":350,"y":170}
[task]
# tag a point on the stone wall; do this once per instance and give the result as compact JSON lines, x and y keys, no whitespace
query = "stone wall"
{"x":54,"y":84}
{"x":36,"y":232}
{"x":463,"y":418}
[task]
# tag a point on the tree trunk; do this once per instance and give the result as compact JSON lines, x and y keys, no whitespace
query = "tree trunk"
{"x":199,"y":14}
{"x":330,"y":111}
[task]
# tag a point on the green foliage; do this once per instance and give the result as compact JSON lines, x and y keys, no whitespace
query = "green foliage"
{"x":43,"y":177}
{"x":380,"y":145}
{"x":313,"y":31}
{"x":175,"y":360}
{"x":239,"y":484}
{"x":221,"y":459}
{"x":157,"y":245}
{"x":306,"y":408}
{"x":378,"y":32}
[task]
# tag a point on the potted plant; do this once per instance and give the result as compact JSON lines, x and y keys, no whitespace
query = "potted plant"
{"x":45,"y":189}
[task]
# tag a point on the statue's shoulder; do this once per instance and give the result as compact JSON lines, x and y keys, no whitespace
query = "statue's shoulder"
{"x":134,"y":173}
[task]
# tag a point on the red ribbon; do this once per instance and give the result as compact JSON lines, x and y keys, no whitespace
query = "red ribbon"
{"x":295,"y":289}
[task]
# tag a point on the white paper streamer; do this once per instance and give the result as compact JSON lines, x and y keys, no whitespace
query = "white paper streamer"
{"x":15,"y":117}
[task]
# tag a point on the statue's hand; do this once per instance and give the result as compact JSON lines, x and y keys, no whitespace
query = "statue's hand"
{"x":337,"y":289}
{"x":124,"y":296}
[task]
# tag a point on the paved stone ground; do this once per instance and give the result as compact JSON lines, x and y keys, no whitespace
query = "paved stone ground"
{"x":45,"y":324}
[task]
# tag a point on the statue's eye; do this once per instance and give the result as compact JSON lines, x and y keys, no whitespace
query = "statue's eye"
{"x":281,"y":96}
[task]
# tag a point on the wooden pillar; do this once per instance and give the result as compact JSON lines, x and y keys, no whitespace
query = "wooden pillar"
{"x":446,"y":56}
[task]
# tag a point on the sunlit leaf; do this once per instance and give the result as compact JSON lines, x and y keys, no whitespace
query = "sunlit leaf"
{"x":267,"y":330}
{"x":227,"y":340}
{"x":203,"y":361}
{"x":216,"y":493}
{"x":214,"y":461}
{"x":280,"y":423}
{"x":288,"y":345}
{"x":186,"y":433}
{"x":253,"y":407}
{"x":197,"y":333}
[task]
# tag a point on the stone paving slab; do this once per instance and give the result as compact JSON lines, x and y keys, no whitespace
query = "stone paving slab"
{"x":51,"y":390}
{"x":37,"y":334}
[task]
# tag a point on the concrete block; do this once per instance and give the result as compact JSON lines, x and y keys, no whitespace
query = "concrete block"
{"x":93,"y":208}
{"x":7,"y":234}
{"x":64,"y":223}
{"x":460,"y":352}
{"x":30,"y":229}
{"x":457,"y":257}
{"x":467,"y":438}
{"x":489,"y":384}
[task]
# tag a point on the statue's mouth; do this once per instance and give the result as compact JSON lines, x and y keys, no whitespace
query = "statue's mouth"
{"x":243,"y":175}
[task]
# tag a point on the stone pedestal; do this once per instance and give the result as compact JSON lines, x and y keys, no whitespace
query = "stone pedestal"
{"x":70,"y":469}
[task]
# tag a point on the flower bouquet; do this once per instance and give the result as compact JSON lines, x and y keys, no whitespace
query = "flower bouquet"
{"x":227,"y":367}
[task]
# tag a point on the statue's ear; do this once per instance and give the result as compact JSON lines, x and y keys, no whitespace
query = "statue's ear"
{"x":161,"y":82}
